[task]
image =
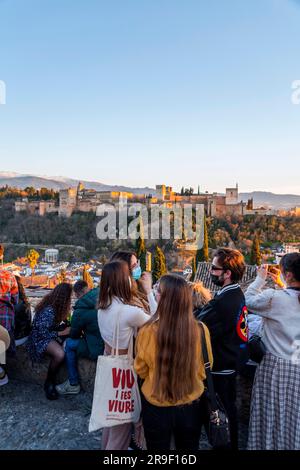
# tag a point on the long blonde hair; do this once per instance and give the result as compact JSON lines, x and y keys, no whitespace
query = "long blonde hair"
{"x":176,"y":339}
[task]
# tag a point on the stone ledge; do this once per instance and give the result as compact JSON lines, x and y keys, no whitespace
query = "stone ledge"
{"x":20,"y":367}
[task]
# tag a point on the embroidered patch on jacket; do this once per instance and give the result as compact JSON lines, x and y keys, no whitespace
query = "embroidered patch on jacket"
{"x":242,"y":324}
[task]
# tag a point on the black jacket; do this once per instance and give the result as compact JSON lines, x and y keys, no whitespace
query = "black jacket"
{"x":226,"y":318}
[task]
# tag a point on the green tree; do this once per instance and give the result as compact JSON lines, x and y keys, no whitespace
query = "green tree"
{"x":160,"y":268}
{"x":194,"y":267}
{"x":203,"y":254}
{"x":255,"y":257}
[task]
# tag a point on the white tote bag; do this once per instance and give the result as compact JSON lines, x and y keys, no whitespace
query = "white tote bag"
{"x":116,"y":397}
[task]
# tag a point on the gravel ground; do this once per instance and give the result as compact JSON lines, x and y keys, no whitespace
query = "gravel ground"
{"x":28,"y":421}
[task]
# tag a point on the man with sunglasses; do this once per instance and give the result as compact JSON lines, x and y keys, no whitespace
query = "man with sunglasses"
{"x":226,"y":318}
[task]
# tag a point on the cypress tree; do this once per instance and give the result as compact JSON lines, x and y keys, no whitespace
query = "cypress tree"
{"x":194,"y":267}
{"x":255,"y":257}
{"x":140,"y":246}
{"x":203,"y":253}
{"x":159,"y":268}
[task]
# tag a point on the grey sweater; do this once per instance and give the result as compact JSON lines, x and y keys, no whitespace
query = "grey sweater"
{"x":281,"y":312}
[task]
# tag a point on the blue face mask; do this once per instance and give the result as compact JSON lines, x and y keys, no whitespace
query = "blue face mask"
{"x":136,"y":273}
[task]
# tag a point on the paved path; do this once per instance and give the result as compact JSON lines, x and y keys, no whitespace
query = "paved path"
{"x":28,"y":421}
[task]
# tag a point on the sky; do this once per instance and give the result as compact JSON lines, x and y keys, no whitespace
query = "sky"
{"x":146,"y":92}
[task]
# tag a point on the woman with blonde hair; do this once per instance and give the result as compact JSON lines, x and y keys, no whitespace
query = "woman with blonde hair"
{"x":201,"y":296}
{"x":170,"y":363}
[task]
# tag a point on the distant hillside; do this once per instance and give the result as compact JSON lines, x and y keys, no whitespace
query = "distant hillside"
{"x":275,"y":201}
{"x":22,"y":181}
{"x":261,"y":198}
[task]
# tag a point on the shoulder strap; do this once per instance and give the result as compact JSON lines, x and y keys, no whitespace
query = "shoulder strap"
{"x":209,"y":379}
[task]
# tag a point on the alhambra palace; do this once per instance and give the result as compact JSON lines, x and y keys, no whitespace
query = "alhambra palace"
{"x":87,"y":200}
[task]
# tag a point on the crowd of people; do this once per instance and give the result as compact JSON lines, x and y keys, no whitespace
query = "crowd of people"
{"x":165,"y":321}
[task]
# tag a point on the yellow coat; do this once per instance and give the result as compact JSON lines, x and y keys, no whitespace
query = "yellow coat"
{"x":146,"y":358}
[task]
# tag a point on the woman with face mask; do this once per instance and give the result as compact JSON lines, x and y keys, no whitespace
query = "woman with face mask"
{"x":275,"y":411}
{"x":142,"y":295}
{"x":116,"y":300}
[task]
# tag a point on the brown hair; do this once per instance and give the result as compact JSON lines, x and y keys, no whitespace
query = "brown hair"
{"x":80,"y":286}
{"x":22,"y":294}
{"x":177,"y":336}
{"x":115,"y":283}
{"x":139,"y":298}
{"x":233,"y":261}
{"x":59,"y":299}
{"x":291,"y":263}
{"x":123,"y":255}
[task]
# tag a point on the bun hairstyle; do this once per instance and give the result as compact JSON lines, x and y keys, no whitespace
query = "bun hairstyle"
{"x":290,"y":263}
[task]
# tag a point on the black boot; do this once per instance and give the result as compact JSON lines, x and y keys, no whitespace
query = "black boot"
{"x":49,"y":386}
{"x":50,"y":390}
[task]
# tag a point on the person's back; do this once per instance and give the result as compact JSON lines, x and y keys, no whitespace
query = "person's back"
{"x":130,"y":318}
{"x":85,"y":320}
{"x":118,"y":322}
{"x":147,"y":350}
{"x":169,"y":360}
{"x":9,"y":295}
{"x":23,"y":320}
{"x":226,"y":317}
{"x":275,"y":411}
{"x":281,"y":312}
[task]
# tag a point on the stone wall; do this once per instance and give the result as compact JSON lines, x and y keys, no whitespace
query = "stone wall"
{"x":20,"y":367}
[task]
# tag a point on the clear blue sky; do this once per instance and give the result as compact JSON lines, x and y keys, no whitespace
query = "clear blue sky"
{"x":144,"y":92}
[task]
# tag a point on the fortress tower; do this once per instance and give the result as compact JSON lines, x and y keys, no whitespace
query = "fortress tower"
{"x":232,"y":196}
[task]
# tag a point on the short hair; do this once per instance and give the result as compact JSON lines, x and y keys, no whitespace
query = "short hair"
{"x":233,"y":261}
{"x":80,"y":286}
{"x":291,"y":263}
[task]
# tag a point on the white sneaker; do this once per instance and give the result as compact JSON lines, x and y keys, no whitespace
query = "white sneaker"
{"x":3,"y":377}
{"x":67,"y":389}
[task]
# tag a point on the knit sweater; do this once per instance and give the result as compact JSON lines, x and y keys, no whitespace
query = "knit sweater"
{"x":281,"y":312}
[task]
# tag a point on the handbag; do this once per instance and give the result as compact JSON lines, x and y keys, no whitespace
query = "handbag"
{"x":256,"y":349}
{"x":116,"y":397}
{"x":218,"y":426}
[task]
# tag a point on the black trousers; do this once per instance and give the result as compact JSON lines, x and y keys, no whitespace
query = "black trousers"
{"x":225,"y":387}
{"x":162,"y":422}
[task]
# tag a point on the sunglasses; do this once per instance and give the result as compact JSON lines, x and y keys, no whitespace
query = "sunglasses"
{"x":216,"y":268}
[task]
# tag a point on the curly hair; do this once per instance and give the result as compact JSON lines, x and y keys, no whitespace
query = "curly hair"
{"x":59,"y":299}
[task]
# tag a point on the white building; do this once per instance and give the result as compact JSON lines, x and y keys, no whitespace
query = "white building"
{"x":51,"y":255}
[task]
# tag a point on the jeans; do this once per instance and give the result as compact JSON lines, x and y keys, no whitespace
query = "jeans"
{"x":71,"y":360}
{"x":162,"y":422}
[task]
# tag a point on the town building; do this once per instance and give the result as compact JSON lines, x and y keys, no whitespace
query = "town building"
{"x":82,"y":199}
{"x":51,"y":255}
{"x":36,"y":207}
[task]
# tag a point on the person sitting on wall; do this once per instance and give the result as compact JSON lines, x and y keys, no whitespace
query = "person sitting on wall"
{"x":84,"y":338}
{"x":23,"y":318}
{"x":4,"y":345}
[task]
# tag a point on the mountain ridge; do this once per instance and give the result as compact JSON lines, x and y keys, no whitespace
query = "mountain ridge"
{"x":21,"y":181}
